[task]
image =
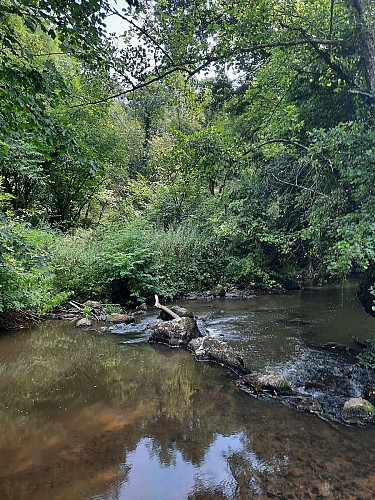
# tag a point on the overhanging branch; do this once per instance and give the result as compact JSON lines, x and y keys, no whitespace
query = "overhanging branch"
{"x":186,"y":66}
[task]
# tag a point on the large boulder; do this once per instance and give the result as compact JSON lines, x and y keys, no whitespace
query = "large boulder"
{"x":358,"y":411}
{"x":175,"y":333}
{"x":269,"y":381}
{"x":209,"y":349}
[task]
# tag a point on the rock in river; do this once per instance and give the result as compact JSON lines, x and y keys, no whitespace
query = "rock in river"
{"x":180,"y":311}
{"x":83,"y":323}
{"x":358,"y":411}
{"x":210,"y":349}
{"x":269,"y":381}
{"x":175,"y":333}
{"x":120,"y":318}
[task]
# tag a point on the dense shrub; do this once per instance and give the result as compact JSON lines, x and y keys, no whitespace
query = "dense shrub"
{"x":112,"y":262}
{"x":188,"y":259}
{"x":25,"y":279}
{"x":133,"y":262}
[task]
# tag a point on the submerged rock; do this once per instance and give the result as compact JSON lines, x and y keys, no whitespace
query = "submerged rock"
{"x":268,"y":381}
{"x":210,"y":349}
{"x":358,"y":411}
{"x":306,"y":403}
{"x":175,"y":333}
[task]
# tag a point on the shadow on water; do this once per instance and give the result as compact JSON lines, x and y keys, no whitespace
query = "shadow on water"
{"x":84,"y":417}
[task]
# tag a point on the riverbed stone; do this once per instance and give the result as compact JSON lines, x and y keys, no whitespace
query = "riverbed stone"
{"x":83,"y":323}
{"x":175,"y":333}
{"x":92,"y":304}
{"x":269,"y":381}
{"x":210,"y":349}
{"x":306,"y":403}
{"x":180,"y":311}
{"x":120,"y":318}
{"x":358,"y":411}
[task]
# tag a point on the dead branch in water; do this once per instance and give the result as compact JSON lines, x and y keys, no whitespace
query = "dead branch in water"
{"x":166,"y":309}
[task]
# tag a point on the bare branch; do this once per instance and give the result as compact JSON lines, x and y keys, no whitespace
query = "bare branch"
{"x":311,"y":190}
{"x":276,"y":141}
{"x":145,"y":33}
{"x":186,"y":66}
{"x":166,"y":309}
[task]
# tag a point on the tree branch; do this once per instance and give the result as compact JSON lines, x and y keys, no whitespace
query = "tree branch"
{"x":331,"y":18}
{"x":138,"y":86}
{"x":185,"y":66}
{"x":166,"y":309}
{"x":276,"y":141}
{"x":144,"y":32}
{"x":311,"y":190}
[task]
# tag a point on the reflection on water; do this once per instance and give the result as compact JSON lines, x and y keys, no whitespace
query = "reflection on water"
{"x":84,"y":417}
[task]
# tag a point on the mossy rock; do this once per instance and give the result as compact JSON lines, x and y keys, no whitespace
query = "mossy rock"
{"x":358,"y":411}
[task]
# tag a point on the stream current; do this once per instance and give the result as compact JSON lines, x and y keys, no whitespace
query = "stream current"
{"x":86,"y":415}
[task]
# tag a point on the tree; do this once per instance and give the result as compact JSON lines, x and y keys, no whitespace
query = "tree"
{"x":191,"y":37}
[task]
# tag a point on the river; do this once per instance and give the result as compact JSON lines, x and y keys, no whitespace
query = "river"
{"x":87,"y":415}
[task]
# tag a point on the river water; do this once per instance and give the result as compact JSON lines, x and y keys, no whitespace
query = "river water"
{"x":86,"y":415}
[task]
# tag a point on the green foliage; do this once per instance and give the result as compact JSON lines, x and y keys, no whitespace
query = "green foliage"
{"x":367,"y":357}
{"x":112,"y":309}
{"x":86,"y":311}
{"x":341,"y":226}
{"x":133,"y":263}
{"x":114,"y":263}
{"x":25,"y":281}
{"x":188,"y":259}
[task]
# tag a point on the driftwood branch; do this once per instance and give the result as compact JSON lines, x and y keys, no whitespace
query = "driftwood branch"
{"x":166,"y":309}
{"x":77,"y":306}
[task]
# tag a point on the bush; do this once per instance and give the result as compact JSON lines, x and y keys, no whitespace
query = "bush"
{"x":134,"y":262}
{"x":110,"y":263}
{"x":367,"y":357}
{"x":188,"y":258}
{"x":25,"y":280}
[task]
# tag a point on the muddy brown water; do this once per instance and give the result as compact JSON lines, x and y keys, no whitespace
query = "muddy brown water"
{"x":84,"y":417}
